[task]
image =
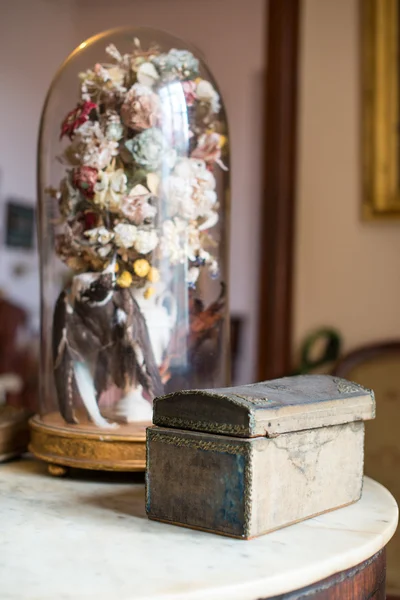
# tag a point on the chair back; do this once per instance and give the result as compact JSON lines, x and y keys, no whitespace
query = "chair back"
{"x":378,"y":367}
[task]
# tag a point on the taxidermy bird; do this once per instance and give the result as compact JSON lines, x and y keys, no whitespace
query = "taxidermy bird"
{"x":202,"y":341}
{"x":204,"y":321}
{"x":100,"y":338}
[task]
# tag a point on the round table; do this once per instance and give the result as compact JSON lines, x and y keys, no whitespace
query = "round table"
{"x":87,"y":537}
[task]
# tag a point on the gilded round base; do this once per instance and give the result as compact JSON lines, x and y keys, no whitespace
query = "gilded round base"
{"x":87,"y":447}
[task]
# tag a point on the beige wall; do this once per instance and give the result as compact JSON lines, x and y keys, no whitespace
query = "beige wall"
{"x":347,"y":271}
{"x":35,"y":36}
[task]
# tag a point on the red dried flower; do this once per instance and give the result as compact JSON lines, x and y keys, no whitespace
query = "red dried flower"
{"x":76,"y":118}
{"x":85,"y":178}
{"x":90,"y":220}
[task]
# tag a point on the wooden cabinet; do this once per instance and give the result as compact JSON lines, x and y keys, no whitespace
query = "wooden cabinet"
{"x":363,"y":582}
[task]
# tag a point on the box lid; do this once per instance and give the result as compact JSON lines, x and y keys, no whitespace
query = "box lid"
{"x":268,"y":408}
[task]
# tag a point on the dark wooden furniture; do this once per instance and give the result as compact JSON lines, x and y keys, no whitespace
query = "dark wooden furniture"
{"x":18,"y":374}
{"x":363,"y":582}
{"x":237,"y":325}
{"x":278,"y":210}
{"x":364,"y":354}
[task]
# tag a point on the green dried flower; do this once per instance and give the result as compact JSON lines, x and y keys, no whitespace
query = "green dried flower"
{"x":177,"y":63}
{"x":148,"y":148}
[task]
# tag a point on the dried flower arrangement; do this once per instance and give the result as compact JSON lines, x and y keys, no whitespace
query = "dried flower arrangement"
{"x":139,"y":192}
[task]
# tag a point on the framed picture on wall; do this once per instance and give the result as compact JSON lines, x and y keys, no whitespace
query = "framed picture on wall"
{"x":380,"y":49}
{"x":20,"y":224}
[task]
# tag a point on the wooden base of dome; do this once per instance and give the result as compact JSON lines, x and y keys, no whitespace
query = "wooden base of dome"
{"x":85,"y":446}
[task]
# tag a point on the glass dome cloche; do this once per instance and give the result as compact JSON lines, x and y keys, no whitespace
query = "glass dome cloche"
{"x":133,"y":185}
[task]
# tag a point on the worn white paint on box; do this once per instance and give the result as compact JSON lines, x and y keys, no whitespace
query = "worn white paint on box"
{"x":302,"y":474}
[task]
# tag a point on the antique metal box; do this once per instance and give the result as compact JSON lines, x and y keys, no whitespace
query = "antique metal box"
{"x":246,"y":460}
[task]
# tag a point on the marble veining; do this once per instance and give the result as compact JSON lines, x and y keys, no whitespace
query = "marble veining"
{"x":75,"y":539}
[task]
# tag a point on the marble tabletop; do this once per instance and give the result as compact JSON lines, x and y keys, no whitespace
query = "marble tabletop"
{"x":85,"y":539}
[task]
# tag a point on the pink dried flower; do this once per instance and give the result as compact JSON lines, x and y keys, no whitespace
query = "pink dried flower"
{"x":209,"y":148}
{"x":189,"y":89}
{"x":141,"y":109}
{"x":136,"y":206}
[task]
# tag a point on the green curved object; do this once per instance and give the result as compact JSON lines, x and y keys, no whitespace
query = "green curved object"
{"x":330,"y":350}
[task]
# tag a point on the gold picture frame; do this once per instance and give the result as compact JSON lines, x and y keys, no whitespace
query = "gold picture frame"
{"x":380,"y":101}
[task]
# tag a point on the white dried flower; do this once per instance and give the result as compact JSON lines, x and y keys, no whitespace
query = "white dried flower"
{"x":193,"y":242}
{"x":116,"y":76}
{"x":104,"y":250}
{"x":103,"y":78}
{"x":117,"y":188}
{"x":204,"y":201}
{"x":125,"y":235}
{"x":110,"y":189}
{"x":101,"y":188}
{"x":206,"y":178}
{"x":211,"y":219}
{"x":202,"y":183}
{"x":100,"y":155}
{"x":90,"y":148}
{"x":113,"y":52}
{"x":173,"y":240}
{"x":190,"y":168}
{"x":99,"y":235}
{"x":147,"y":74}
{"x":178,"y":193}
{"x":114,"y":129}
{"x":114,"y":132}
{"x":213,"y":269}
{"x":192,"y":275}
{"x":145,"y":241}
{"x":205,"y":256}
{"x":104,"y":236}
{"x":91,"y":234}
{"x":206,"y":92}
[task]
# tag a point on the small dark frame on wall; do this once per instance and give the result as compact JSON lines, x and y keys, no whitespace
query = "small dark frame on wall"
{"x":20,"y":219}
